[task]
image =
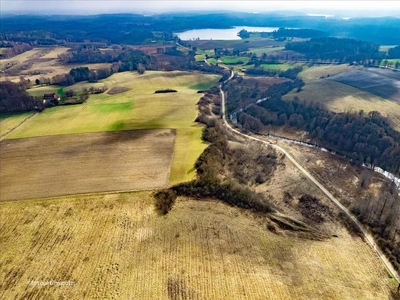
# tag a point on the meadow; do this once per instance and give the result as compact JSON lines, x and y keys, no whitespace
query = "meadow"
{"x":40,"y":62}
{"x":262,"y":50}
{"x":282,"y":67}
{"x":9,"y":122}
{"x":138,"y":108}
{"x":116,"y":246}
{"x":321,"y":86}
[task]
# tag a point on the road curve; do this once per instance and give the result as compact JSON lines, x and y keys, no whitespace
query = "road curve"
{"x":366,"y":234}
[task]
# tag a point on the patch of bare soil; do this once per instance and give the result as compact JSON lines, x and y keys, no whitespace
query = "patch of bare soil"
{"x":85,"y":163}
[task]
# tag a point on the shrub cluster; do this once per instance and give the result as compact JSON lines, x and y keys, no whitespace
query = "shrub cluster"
{"x":165,"y":199}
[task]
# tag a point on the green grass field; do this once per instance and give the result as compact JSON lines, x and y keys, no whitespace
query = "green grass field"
{"x":265,"y":50}
{"x":38,"y":91}
{"x":9,"y":122}
{"x":282,"y":67}
{"x":391,"y":60}
{"x":199,"y":57}
{"x":212,"y":61}
{"x":138,"y":108}
{"x":234,"y":59}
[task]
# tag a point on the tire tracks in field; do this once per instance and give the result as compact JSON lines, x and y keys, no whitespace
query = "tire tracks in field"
{"x":18,"y":126}
{"x":364,"y":231}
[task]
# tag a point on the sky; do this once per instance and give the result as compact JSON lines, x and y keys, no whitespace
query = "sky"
{"x":351,"y":8}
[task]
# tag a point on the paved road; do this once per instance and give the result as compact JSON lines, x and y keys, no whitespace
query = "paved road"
{"x":366,"y":234}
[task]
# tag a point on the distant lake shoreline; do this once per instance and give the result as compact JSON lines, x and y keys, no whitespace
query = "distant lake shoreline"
{"x":219,"y":34}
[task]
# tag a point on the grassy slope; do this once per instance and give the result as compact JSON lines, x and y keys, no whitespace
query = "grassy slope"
{"x":47,"y":69}
{"x":138,"y":108}
{"x":9,"y":122}
{"x":116,"y":246}
{"x":340,"y":97}
{"x":265,"y":50}
{"x":282,"y":67}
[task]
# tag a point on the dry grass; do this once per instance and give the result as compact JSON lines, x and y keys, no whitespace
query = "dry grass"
{"x":318,"y":71}
{"x":116,"y":246}
{"x":42,"y":62}
{"x":339,"y":97}
{"x":84,"y":163}
{"x":54,"y":52}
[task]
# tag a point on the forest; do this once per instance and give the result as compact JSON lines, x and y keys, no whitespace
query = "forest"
{"x":14,"y":98}
{"x":136,"y":29}
{"x":335,"y":49}
{"x":363,"y":137}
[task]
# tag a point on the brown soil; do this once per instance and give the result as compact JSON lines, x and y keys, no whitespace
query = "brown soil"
{"x":84,"y":163}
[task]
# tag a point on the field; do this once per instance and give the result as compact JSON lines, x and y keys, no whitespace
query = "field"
{"x":382,"y":84}
{"x":262,"y":50}
{"x":391,"y":60}
{"x":85,"y":163}
{"x":234,"y":60}
{"x":138,"y":108}
{"x":115,"y":246}
{"x":249,"y":43}
{"x":385,"y":48}
{"x":9,"y":122}
{"x":39,"y":62}
{"x":282,"y":67}
{"x":318,"y":71}
{"x":340,"y":97}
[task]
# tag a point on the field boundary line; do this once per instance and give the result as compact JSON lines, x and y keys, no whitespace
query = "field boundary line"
{"x":18,"y":126}
{"x":366,"y":234}
{"x":79,"y":195}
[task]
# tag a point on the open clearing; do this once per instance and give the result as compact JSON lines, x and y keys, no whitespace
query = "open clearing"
{"x":84,"y":163}
{"x":138,"y":108}
{"x":340,"y":97}
{"x":116,"y":246}
{"x":258,"y":51}
{"x":282,"y":67}
{"x":382,"y":84}
{"x":9,"y":122}
{"x":39,"y":62}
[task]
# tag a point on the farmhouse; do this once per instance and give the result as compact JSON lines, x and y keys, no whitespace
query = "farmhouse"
{"x":50,"y":97}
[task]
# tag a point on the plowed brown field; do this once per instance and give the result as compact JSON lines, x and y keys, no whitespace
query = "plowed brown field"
{"x":84,"y":163}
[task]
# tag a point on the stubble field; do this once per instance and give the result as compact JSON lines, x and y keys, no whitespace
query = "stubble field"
{"x":340,"y":97}
{"x":85,"y":163}
{"x":116,"y":246}
{"x":39,"y":62}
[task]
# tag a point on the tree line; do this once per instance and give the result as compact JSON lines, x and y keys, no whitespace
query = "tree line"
{"x":300,"y":33}
{"x":336,"y":49}
{"x":14,"y":98}
{"x":362,"y":137}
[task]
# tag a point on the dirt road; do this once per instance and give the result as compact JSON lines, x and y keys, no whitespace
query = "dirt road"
{"x":367,"y":235}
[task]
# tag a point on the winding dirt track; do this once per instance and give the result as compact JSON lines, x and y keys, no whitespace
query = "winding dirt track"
{"x":366,"y":234}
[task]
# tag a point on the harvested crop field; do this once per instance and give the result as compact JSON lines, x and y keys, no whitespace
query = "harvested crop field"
{"x":116,"y":246}
{"x":381,"y":84}
{"x":339,"y":97}
{"x":84,"y":163}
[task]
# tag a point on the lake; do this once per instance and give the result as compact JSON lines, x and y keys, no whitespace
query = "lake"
{"x":220,"y":34}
